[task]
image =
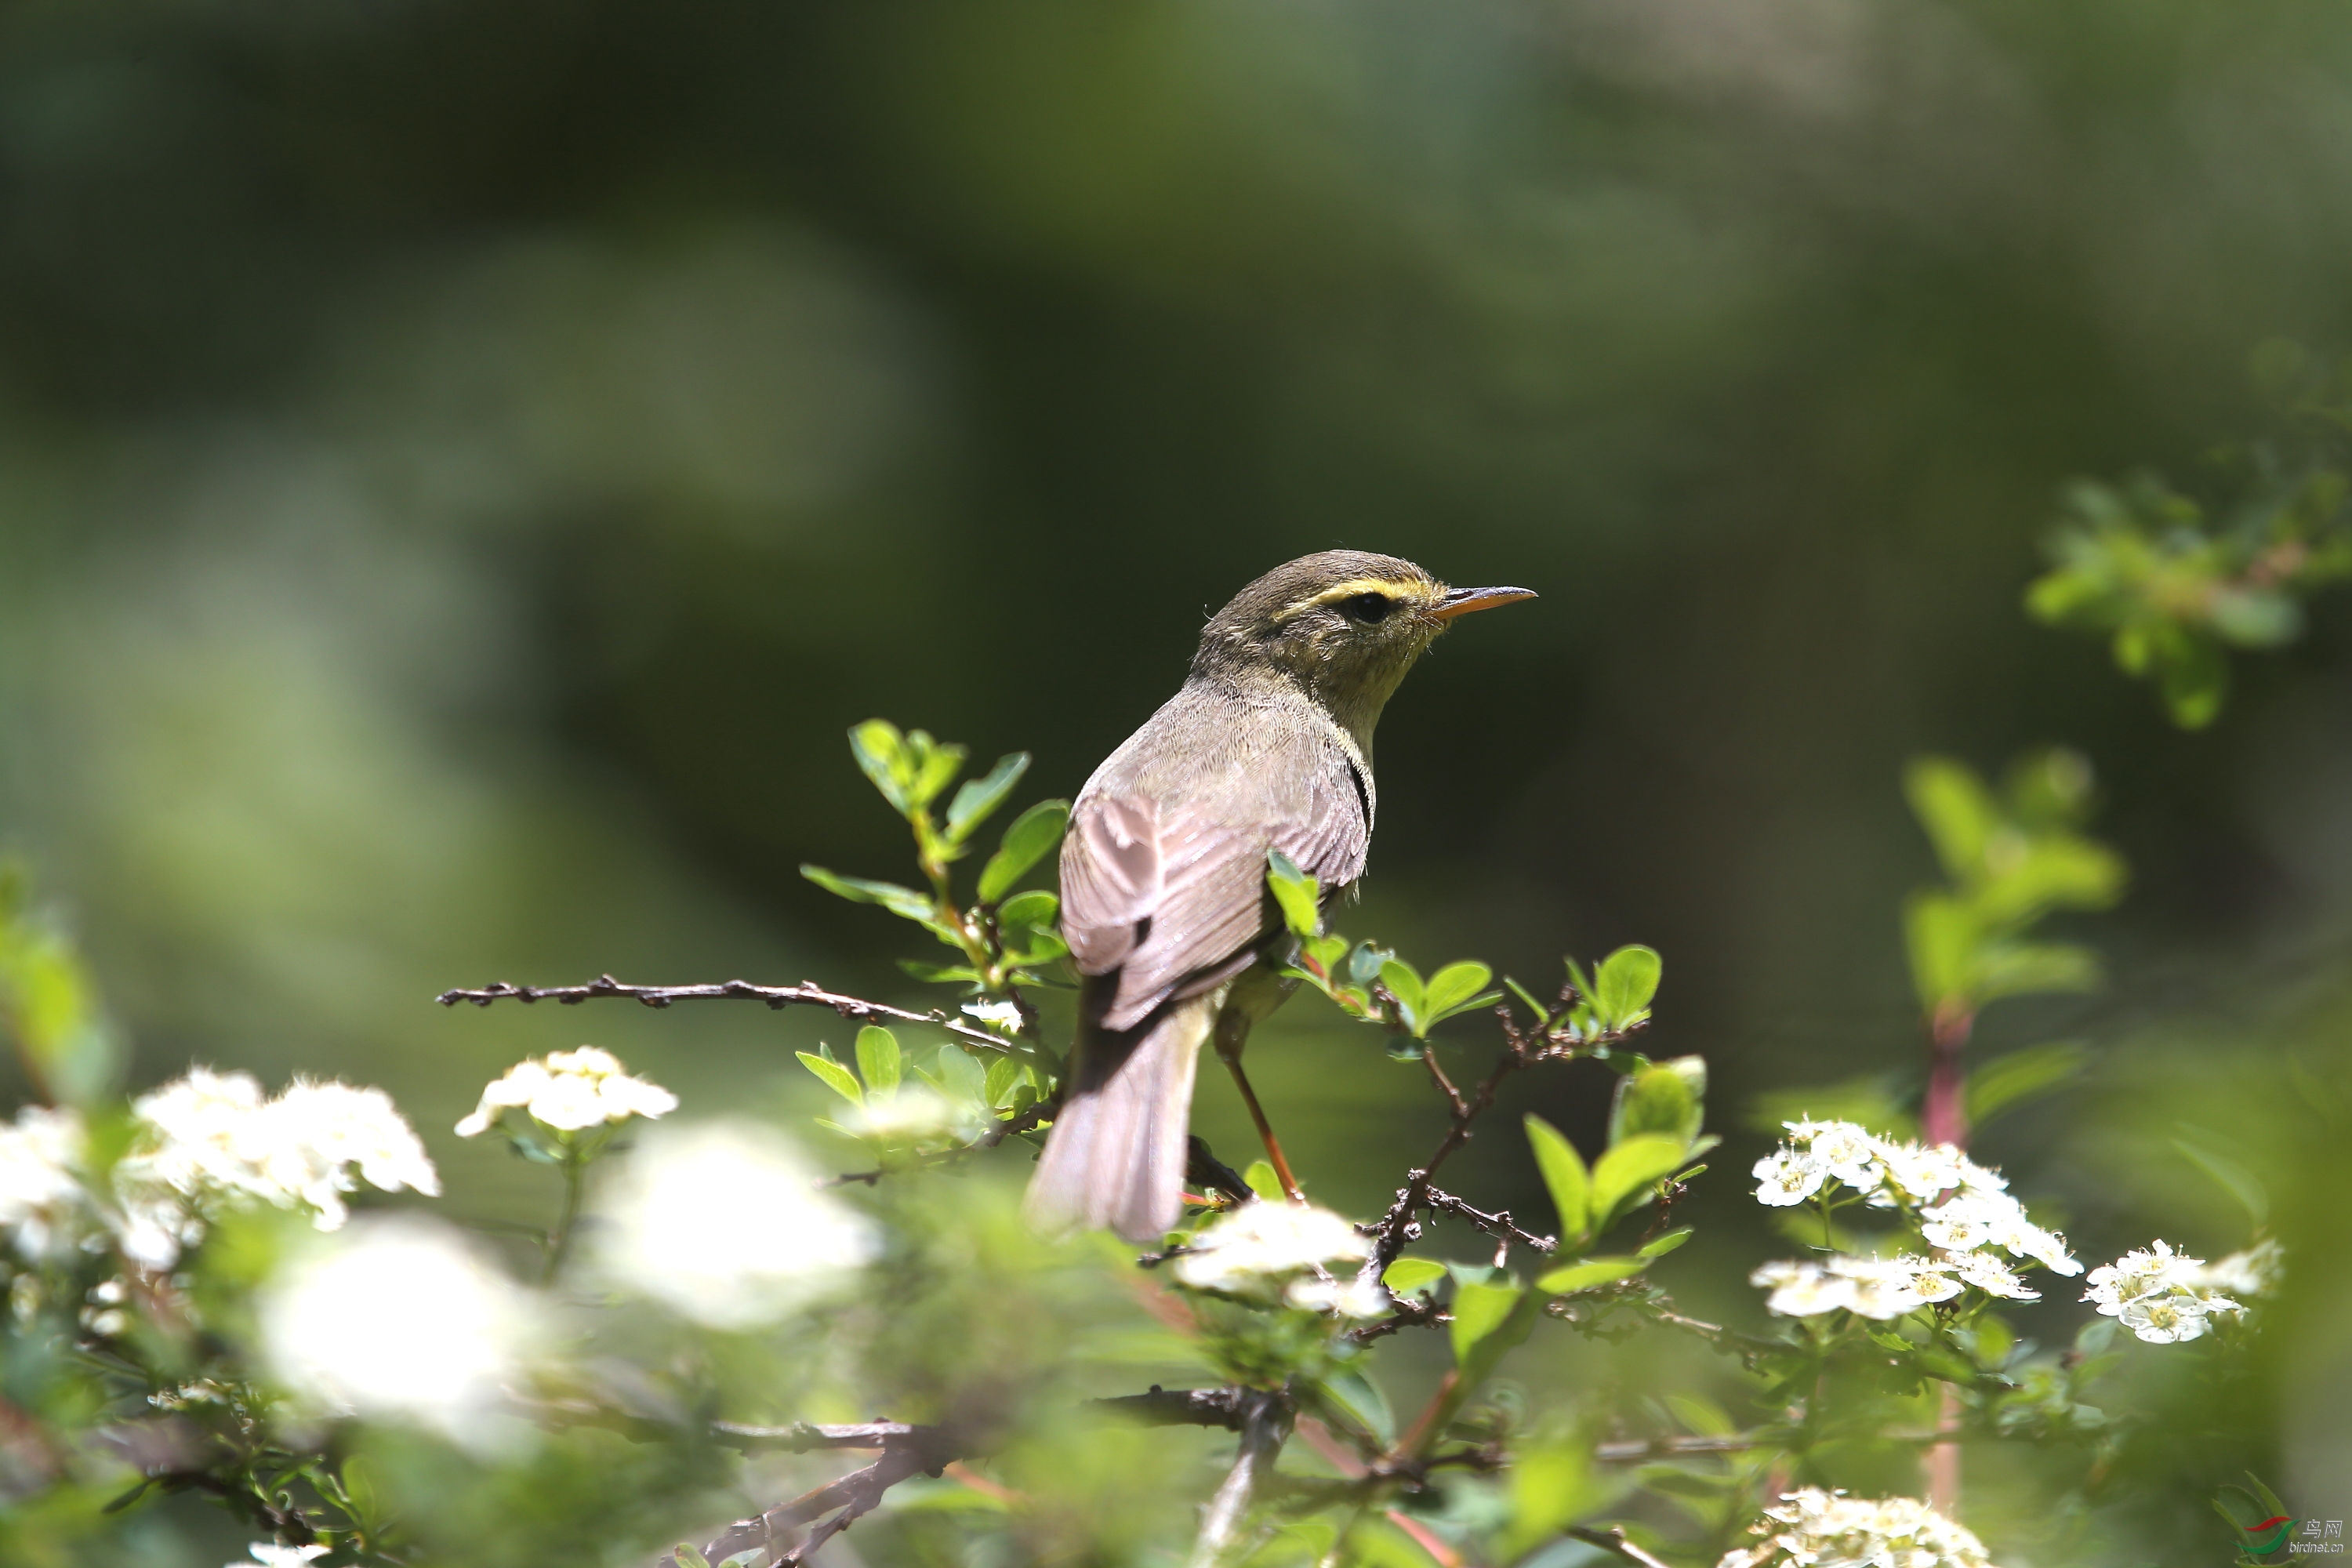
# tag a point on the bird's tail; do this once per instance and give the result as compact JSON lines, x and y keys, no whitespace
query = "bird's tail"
{"x":1116,"y":1154}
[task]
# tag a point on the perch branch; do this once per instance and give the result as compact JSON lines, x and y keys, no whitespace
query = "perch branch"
{"x":807,"y":994}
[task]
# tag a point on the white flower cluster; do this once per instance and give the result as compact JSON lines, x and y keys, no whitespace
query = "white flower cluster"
{"x":1269,"y":1251}
{"x":1963,"y":1210}
{"x":567,"y":1091}
{"x":2166,"y":1297}
{"x":724,"y":1224}
{"x":1814,"y":1528}
{"x":200,"y":1142}
{"x":405,"y":1319}
{"x":214,"y":1135}
{"x":42,"y":1204}
{"x":1884,"y":1287}
{"x":271,"y":1555}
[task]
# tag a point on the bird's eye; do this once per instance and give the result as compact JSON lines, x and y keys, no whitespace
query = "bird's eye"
{"x":1369,"y":608}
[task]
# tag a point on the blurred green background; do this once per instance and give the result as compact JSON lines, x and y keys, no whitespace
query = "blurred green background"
{"x":463,"y":468}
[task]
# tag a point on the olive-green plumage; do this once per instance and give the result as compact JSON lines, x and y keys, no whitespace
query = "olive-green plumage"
{"x":1268,"y":746}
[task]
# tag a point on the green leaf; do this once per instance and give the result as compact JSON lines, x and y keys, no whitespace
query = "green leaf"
{"x":1942,"y":934}
{"x":1364,"y":963}
{"x":877,"y":1059}
{"x":1658,"y":1246}
{"x":1625,"y":983}
{"x":2031,"y":968}
{"x":903,"y":902}
{"x":1624,"y":1175}
{"x":1030,"y":839}
{"x":1003,"y":1073}
{"x":1479,"y":1310}
{"x":1954,"y":808}
{"x":1662,"y":1098}
{"x":1260,"y":1179}
{"x":1035,"y":910}
{"x":1456,"y":988}
{"x":1565,"y":1177}
{"x":1551,"y":1485}
{"x":1295,"y":893}
{"x":980,"y":796}
{"x":689,"y":1555}
{"x":1590,"y":1272}
{"x":962,"y":1077}
{"x":1410,"y":1274}
{"x":881,"y":753}
{"x":1404,"y":983}
{"x":834,"y":1075}
{"x":2010,"y":1081}
{"x":2203,"y":1151}
{"x":1358,"y":1400}
{"x":1528,"y":1000}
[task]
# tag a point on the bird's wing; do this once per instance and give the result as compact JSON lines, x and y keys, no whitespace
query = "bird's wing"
{"x":1172,"y":899}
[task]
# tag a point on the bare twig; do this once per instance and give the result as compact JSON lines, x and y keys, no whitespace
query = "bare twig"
{"x":1498,"y":1225}
{"x":1225,"y":1408}
{"x":807,"y":994}
{"x":1266,"y":1422}
{"x":1614,"y":1541}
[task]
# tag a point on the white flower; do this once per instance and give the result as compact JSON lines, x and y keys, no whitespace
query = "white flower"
{"x":270,"y":1555}
{"x":721,"y":1223}
{"x":1991,"y":1275}
{"x":1803,"y":1290}
{"x":1785,"y":1177}
{"x":1354,"y":1297}
{"x":2254,"y":1272}
{"x":42,"y":1205}
{"x":400,"y":1317}
{"x":1849,"y":1154}
{"x":1916,"y":1173}
{"x":1004,"y":1015}
{"x":1814,"y":1528}
{"x":569,"y":1090}
{"x":1882,"y":1287}
{"x":1260,"y":1246}
{"x":2166,"y":1319}
{"x":1879,"y":1288}
{"x":1979,"y":1217}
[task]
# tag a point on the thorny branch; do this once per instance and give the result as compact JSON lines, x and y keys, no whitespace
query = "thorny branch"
{"x":1548,"y":1040}
{"x":807,"y":994}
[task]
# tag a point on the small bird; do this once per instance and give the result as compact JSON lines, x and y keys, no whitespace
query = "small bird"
{"x":1164,"y":898}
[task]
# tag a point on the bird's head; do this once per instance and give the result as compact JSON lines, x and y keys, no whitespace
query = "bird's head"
{"x":1342,"y":625}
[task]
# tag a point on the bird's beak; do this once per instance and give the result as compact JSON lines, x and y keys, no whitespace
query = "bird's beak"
{"x":1462,"y":601}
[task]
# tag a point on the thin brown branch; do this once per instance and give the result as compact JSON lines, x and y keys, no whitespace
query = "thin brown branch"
{"x":1497,"y":1225}
{"x":807,"y":994}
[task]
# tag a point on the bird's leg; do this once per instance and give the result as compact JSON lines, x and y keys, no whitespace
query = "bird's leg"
{"x":1233,"y":1033}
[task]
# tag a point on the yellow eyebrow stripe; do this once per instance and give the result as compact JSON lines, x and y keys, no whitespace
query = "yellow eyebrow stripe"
{"x":1408,"y":592}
